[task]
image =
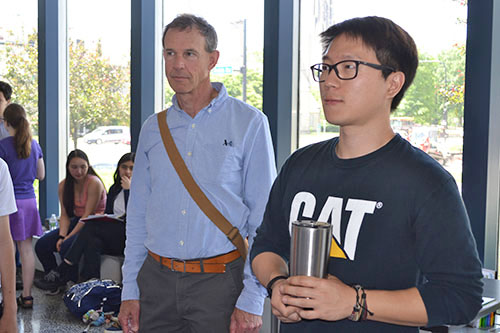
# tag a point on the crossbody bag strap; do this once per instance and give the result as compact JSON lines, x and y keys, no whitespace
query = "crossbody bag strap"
{"x":206,"y":206}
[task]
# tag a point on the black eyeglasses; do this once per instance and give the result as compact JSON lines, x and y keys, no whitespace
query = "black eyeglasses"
{"x":345,"y":69}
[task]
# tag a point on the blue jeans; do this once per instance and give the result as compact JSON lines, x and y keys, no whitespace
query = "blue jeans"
{"x":96,"y":238}
{"x":46,"y":246}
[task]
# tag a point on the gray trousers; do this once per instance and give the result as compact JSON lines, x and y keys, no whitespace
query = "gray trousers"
{"x":187,"y":302}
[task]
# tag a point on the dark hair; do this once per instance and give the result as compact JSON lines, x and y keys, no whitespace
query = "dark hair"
{"x":69,"y":183}
{"x":393,"y":46}
{"x":6,"y":89}
{"x":124,"y":159}
{"x":15,"y":116}
{"x":188,"y":21}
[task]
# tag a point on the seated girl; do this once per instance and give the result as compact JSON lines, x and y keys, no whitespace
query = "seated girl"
{"x":81,"y":194}
{"x":98,"y":236}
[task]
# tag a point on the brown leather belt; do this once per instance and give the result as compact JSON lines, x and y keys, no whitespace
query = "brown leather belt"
{"x":207,"y":265}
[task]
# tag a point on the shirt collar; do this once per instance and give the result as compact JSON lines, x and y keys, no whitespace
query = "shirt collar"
{"x":213,"y":105}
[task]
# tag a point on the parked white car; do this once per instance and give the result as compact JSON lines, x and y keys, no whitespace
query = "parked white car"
{"x":102,"y":134}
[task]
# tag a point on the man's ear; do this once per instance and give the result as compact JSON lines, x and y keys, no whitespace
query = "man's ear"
{"x":214,"y":57}
{"x":395,"y":82}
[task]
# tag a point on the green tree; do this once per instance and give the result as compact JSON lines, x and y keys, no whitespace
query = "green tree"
{"x":255,"y":88}
{"x":234,"y":87}
{"x":436,"y":94}
{"x":169,"y":93}
{"x":421,"y":101}
{"x":21,"y":71}
{"x":232,"y":82}
{"x":453,"y":87}
{"x":99,"y":91}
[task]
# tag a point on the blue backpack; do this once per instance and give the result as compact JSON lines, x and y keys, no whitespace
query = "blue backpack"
{"x":93,"y":294}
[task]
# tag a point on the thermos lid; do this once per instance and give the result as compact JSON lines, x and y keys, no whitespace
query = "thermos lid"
{"x":311,"y":224}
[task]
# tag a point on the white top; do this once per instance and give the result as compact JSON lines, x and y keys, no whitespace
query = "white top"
{"x":7,"y":199}
{"x":119,"y":204}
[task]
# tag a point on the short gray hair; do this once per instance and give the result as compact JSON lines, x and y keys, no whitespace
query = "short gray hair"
{"x":188,"y":21}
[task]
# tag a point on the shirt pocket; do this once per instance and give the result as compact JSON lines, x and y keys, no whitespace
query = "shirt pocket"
{"x":218,"y":163}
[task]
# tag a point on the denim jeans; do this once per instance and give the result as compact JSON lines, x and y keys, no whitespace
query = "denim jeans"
{"x":46,"y":246}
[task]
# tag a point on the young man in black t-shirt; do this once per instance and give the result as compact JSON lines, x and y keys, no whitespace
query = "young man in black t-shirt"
{"x":402,"y":254}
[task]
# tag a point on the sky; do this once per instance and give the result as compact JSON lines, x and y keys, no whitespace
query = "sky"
{"x":432,"y":23}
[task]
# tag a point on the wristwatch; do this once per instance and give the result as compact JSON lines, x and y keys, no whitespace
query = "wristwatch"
{"x":270,"y":284}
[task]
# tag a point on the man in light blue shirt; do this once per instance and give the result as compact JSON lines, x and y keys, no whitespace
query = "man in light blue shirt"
{"x":227,"y":147}
{"x":5,"y":95}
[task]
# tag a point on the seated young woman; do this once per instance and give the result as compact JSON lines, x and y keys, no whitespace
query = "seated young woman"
{"x":81,"y":194}
{"x":98,"y":236}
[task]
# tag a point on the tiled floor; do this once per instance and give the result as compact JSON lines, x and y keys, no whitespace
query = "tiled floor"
{"x":50,"y":315}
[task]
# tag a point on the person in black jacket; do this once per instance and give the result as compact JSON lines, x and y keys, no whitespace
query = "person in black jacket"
{"x":98,"y":236}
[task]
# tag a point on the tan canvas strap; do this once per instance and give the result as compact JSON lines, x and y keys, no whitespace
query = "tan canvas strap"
{"x":206,"y":206}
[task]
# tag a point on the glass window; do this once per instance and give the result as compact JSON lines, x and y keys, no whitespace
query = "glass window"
{"x":431,"y":114}
{"x":99,"y":81}
{"x":19,"y":57}
{"x":239,"y":25}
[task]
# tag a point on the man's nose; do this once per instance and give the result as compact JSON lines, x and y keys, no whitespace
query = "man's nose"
{"x":179,"y":62}
{"x":332,"y":80}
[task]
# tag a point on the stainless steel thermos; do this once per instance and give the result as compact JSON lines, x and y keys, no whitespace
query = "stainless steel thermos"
{"x":310,"y":248}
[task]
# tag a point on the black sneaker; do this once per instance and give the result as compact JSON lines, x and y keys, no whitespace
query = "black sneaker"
{"x":51,"y":282}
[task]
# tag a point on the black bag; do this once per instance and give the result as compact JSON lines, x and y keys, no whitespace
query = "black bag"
{"x":93,"y":294}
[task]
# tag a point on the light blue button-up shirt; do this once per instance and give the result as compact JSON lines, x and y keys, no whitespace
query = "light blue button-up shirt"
{"x":228,"y":149}
{"x":3,"y":131}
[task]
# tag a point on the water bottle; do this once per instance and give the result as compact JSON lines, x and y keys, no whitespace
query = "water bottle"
{"x":310,"y":248}
{"x":53,"y":222}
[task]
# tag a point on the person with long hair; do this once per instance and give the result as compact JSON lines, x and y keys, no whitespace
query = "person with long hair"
{"x":25,"y":160}
{"x":81,"y":194}
{"x":98,"y":236}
